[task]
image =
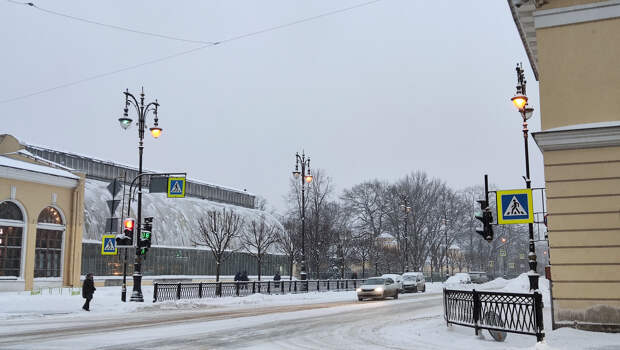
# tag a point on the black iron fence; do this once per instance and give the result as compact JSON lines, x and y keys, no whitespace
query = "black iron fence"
{"x":177,"y":291}
{"x":495,"y":311}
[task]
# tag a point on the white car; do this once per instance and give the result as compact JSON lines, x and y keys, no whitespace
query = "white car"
{"x":460,"y":278}
{"x":414,"y":282}
{"x":377,"y":288}
{"x":398,"y":280}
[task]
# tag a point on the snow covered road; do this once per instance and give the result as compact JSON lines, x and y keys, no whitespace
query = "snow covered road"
{"x":332,"y":325}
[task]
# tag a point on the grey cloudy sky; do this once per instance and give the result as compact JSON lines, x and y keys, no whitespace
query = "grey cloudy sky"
{"x":374,"y":92}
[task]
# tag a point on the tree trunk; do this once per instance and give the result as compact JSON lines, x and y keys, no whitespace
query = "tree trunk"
{"x":290,"y":268}
{"x":217,"y":269}
{"x":258,"y":260}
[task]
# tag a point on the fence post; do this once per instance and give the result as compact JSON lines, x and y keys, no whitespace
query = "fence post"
{"x":237,"y":287}
{"x":538,"y":312}
{"x":282,"y":287}
{"x":318,"y":286}
{"x":355,"y":284}
{"x":445,"y":307}
{"x":253,"y":287}
{"x":328,"y":284}
{"x":295,"y":286}
{"x":346,"y":284}
{"x":179,"y":291}
{"x":200,"y":290}
{"x":219,"y":289}
{"x":155,"y":292}
{"x":477,"y":308}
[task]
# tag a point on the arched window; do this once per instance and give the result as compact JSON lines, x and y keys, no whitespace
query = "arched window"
{"x":11,"y":239}
{"x":48,"y":251}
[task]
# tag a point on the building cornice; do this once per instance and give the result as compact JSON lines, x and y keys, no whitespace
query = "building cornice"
{"x":577,"y":14}
{"x":576,"y":138}
{"x":36,"y":177}
{"x":523,"y":17}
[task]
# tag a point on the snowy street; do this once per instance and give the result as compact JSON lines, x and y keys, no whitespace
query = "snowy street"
{"x":326,"y":320}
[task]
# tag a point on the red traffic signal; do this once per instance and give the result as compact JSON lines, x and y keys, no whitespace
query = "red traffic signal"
{"x":129,"y":224}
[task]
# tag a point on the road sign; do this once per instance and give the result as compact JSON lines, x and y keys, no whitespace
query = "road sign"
{"x":176,"y":187}
{"x":515,"y":207}
{"x":114,"y":187}
{"x":491,"y":263}
{"x":112,"y":205}
{"x":502,"y":251}
{"x":108,"y":245}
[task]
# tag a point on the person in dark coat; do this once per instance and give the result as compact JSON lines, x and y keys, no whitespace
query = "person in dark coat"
{"x":238,"y":276}
{"x":88,"y":289}
{"x":276,"y":277}
{"x":244,"y":276}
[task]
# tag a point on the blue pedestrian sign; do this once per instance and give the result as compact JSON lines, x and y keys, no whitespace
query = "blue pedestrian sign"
{"x":176,"y":187}
{"x":515,"y":207}
{"x":108,"y":245}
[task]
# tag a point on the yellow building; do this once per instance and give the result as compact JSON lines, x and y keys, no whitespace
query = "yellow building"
{"x":41,"y":220}
{"x":574,"y":50}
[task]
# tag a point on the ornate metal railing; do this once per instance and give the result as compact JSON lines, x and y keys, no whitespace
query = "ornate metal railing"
{"x":495,"y":311}
{"x":177,"y":291}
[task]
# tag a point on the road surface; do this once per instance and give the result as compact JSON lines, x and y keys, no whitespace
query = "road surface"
{"x":324,"y":325}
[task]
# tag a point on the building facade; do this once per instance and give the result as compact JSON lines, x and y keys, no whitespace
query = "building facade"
{"x":41,"y":219}
{"x":574,"y":53}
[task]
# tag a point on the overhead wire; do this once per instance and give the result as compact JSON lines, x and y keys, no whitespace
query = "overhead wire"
{"x":112,"y":26}
{"x":187,"y":52}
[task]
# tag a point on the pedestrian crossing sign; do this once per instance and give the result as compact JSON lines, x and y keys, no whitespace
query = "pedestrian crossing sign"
{"x":515,"y":207}
{"x":176,"y":187}
{"x":108,"y":245}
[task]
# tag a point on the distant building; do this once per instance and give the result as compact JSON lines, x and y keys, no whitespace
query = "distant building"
{"x":53,"y":212}
{"x":574,"y":51}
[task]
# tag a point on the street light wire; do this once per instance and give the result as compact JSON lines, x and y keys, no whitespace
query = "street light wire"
{"x":187,"y":52}
{"x":112,"y":26}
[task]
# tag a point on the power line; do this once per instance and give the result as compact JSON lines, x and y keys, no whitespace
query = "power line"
{"x":187,"y":52}
{"x":112,"y":26}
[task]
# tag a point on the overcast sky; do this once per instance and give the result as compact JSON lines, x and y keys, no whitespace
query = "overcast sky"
{"x":374,"y":92}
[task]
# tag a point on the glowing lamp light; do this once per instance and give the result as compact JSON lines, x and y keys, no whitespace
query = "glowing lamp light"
{"x":503,"y":240}
{"x":308,"y":178}
{"x":519,"y":101}
{"x":155,"y":131}
{"x":125,"y":122}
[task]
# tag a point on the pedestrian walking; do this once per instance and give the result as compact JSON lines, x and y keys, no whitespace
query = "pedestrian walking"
{"x":88,"y":289}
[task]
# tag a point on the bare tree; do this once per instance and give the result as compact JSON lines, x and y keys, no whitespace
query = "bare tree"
{"x":217,"y":230}
{"x":258,"y":237}
{"x":287,"y":242}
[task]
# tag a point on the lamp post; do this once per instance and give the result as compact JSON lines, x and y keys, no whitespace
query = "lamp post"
{"x":406,"y":208}
{"x":142,"y":110}
{"x":520,"y":101}
{"x":306,"y":177}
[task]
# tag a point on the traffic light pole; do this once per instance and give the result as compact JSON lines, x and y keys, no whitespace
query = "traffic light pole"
{"x":532,"y":274}
{"x":136,"y":294}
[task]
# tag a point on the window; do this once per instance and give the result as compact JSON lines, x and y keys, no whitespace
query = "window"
{"x":48,"y":251}
{"x":11,"y":238}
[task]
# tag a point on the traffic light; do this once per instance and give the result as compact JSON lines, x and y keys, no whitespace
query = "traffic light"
{"x":486,"y":217}
{"x":126,"y":239}
{"x":146,"y":233}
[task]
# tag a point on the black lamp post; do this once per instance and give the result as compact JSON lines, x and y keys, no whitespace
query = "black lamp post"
{"x":125,"y":121}
{"x":406,"y":208}
{"x":520,"y":101}
{"x":306,"y":177}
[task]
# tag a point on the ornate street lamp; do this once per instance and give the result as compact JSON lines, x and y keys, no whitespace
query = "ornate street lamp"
{"x":142,"y":110}
{"x":520,"y":101}
{"x":306,"y":178}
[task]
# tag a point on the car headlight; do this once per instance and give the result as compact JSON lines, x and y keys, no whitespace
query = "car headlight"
{"x":358,"y":290}
{"x":379,"y":289}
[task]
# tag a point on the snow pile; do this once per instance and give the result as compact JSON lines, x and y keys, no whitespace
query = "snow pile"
{"x":497,"y":283}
